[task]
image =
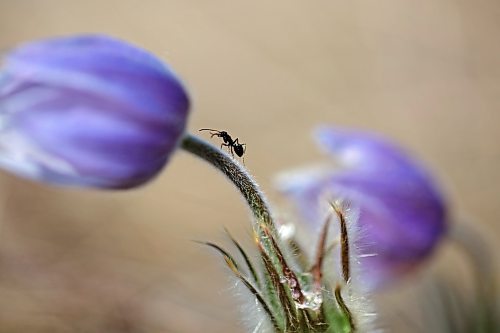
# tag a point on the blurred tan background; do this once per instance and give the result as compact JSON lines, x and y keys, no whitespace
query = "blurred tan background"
{"x":426,"y":73}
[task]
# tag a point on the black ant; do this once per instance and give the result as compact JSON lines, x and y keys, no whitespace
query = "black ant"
{"x":234,"y":146}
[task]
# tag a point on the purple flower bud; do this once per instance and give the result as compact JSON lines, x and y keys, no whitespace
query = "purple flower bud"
{"x":88,"y":110}
{"x":402,"y":214}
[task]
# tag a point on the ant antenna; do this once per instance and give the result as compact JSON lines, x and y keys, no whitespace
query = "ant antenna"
{"x":208,"y":129}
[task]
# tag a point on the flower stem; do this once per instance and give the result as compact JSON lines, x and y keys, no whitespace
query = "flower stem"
{"x":236,"y":173}
{"x":475,"y":246}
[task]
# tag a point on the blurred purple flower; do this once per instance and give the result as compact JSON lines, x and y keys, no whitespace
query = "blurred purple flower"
{"x":88,"y":110}
{"x":402,"y":214}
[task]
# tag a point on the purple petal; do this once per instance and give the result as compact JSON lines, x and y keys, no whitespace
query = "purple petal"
{"x":366,"y":151}
{"x":89,"y":111}
{"x":103,"y":67}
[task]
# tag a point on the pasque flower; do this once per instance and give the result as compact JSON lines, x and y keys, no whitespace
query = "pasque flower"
{"x":88,"y":110}
{"x":402,"y":213}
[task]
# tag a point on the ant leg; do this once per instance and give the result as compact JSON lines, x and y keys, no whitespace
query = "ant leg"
{"x":244,"y":145}
{"x":229,"y":148}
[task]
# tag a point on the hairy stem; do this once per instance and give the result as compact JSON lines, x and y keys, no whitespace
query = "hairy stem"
{"x":472,"y":242}
{"x":236,"y":173}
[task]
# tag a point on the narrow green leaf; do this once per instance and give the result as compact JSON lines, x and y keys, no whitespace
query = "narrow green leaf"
{"x":344,"y":242}
{"x":249,"y":264}
{"x":344,"y":308}
{"x":234,"y":268}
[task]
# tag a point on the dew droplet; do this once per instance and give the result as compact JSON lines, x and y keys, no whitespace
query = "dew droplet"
{"x":312,"y":300}
{"x":286,"y":231}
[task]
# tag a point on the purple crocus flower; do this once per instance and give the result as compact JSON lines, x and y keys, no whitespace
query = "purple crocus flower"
{"x":402,"y":214}
{"x":88,"y":110}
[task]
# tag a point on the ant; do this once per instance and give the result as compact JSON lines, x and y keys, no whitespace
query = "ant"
{"x":234,"y":146}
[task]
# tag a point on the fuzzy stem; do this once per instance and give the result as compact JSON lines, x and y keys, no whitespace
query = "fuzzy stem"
{"x":475,"y":247}
{"x":236,"y":173}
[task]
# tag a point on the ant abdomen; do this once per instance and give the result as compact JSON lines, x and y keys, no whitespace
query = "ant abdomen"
{"x":239,"y":150}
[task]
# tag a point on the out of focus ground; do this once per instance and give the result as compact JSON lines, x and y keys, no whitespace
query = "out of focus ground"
{"x":426,"y":73}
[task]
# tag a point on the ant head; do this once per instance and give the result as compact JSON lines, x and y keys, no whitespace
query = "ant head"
{"x":238,"y":150}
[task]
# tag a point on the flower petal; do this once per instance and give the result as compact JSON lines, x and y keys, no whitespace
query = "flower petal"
{"x":88,"y":110}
